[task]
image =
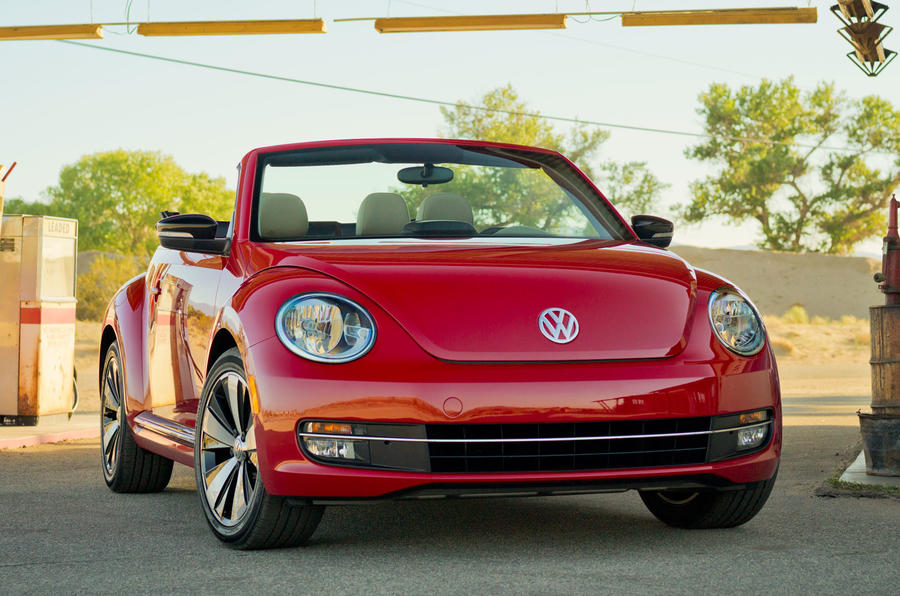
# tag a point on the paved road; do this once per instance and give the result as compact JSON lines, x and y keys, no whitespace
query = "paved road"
{"x":824,"y":410}
{"x":62,"y":531}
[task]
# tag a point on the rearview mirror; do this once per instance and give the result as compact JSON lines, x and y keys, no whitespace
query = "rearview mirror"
{"x":191,"y":232}
{"x":425,"y":175}
{"x":653,"y":230}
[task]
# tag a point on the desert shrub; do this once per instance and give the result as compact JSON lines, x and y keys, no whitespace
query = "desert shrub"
{"x":817,"y":320}
{"x":796,"y":315}
{"x":99,"y":282}
{"x":781,"y":347}
{"x":850,"y":320}
{"x":862,"y":338}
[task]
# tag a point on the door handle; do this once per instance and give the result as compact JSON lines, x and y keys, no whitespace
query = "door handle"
{"x":155,"y":290}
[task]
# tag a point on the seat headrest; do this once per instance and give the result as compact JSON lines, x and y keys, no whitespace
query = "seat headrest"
{"x":445,"y":205}
{"x":282,"y":216}
{"x":382,"y":213}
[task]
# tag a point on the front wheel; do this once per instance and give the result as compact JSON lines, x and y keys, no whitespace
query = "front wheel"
{"x":127,"y":467}
{"x":239,"y":510}
{"x":708,"y":508}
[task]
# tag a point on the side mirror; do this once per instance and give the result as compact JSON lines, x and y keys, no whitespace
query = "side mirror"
{"x":192,"y":232}
{"x":653,"y":230}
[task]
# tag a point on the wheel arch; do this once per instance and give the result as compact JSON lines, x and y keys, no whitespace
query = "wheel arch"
{"x":222,"y":341}
{"x":124,"y":324}
{"x":106,"y":339}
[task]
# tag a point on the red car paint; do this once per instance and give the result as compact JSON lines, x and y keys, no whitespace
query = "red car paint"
{"x":455,"y":320}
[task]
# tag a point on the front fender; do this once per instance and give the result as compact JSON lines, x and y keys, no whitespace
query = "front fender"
{"x":250,"y":317}
{"x":127,"y":315}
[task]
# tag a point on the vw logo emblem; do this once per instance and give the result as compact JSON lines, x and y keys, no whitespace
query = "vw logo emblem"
{"x":558,"y":325}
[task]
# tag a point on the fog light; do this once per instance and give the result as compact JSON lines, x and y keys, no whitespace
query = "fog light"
{"x":331,"y":448}
{"x":749,"y":438}
{"x":334,"y":448}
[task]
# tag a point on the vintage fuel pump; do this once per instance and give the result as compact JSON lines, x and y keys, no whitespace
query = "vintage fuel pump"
{"x":37,"y":317}
{"x":881,"y":428}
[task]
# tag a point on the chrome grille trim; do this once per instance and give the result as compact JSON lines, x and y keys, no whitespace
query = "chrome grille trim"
{"x":533,"y":439}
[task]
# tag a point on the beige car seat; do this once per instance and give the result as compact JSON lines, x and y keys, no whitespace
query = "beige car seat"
{"x":446,"y":206}
{"x":382,"y":214}
{"x":282,"y":216}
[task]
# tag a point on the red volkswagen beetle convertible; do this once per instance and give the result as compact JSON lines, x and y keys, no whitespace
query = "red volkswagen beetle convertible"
{"x":407,"y":318}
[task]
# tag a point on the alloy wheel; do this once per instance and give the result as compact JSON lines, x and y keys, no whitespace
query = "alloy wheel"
{"x":111,"y":415}
{"x":228,"y":462}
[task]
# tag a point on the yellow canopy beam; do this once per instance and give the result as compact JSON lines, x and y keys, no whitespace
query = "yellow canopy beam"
{"x":724,"y":16}
{"x":505,"y":22}
{"x":231,"y":27}
{"x":51,"y":32}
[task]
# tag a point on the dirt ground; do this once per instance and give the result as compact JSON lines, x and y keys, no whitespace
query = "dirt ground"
{"x":87,"y":363}
{"x":822,"y":359}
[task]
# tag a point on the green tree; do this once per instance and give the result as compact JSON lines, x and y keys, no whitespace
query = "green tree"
{"x":104,"y":275}
{"x":117,"y":197}
{"x":805,"y":195}
{"x":19,"y":206}
{"x":535,"y":201}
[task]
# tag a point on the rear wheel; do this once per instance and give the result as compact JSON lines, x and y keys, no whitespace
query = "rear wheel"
{"x":708,"y":508}
{"x":127,"y":467}
{"x":239,"y":510}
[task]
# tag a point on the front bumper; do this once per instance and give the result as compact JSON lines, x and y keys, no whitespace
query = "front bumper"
{"x":415,"y":390}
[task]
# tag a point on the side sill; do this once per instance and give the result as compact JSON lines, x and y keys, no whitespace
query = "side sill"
{"x":183,"y":435}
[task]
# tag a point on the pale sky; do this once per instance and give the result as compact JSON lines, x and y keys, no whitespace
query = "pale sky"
{"x":58,"y":101}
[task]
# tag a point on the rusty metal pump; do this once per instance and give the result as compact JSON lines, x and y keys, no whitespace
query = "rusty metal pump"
{"x":881,"y":428}
{"x":889,"y":278}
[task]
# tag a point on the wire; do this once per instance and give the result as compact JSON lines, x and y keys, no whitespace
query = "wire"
{"x":128,"y":28}
{"x":451,"y":104}
{"x":601,"y":44}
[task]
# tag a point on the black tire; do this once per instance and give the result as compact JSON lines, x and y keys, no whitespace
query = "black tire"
{"x":127,"y":467}
{"x":238,"y":509}
{"x":706,"y":509}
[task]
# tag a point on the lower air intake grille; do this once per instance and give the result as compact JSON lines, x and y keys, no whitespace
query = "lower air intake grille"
{"x":628,"y":445}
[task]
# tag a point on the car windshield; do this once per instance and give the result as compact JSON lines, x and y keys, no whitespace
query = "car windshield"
{"x":425,"y":190}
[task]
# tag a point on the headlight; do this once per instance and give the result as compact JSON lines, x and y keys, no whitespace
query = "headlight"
{"x":735,"y":322}
{"x":325,"y":328}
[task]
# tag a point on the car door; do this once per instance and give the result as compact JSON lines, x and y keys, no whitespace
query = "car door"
{"x":180,"y":331}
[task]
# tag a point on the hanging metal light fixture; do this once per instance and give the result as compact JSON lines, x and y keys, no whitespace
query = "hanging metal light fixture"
{"x":866,"y":35}
{"x":51,"y":32}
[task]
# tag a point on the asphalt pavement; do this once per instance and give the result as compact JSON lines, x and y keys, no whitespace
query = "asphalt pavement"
{"x":63,"y":531}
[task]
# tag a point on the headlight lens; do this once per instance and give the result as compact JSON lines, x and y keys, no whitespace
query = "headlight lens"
{"x":735,"y":323}
{"x":325,"y":327}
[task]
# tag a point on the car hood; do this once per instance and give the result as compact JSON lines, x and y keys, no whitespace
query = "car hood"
{"x":475,"y":301}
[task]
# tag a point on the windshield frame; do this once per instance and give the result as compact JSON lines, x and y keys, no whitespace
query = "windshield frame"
{"x":559,"y":169}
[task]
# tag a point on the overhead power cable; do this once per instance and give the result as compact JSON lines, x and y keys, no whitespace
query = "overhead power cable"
{"x":440,"y":102}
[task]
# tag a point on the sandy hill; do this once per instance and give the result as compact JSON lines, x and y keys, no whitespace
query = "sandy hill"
{"x":827,"y":286}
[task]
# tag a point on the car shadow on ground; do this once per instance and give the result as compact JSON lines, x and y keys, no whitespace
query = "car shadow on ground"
{"x":487,"y":521}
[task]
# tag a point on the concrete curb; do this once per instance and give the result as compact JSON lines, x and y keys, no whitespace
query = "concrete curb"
{"x":83,"y":425}
{"x":41,"y":439}
{"x":856,"y":473}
